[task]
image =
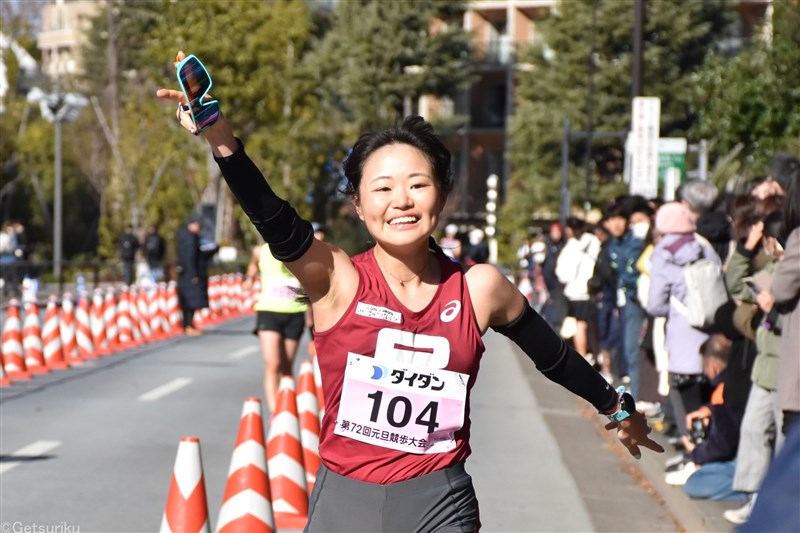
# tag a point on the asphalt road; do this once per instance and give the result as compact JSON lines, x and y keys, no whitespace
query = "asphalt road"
{"x":92,"y":448}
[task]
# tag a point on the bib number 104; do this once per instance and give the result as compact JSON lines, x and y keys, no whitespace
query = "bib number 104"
{"x":399,"y":411}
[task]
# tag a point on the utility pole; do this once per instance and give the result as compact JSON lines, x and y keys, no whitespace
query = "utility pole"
{"x":638,"y":28}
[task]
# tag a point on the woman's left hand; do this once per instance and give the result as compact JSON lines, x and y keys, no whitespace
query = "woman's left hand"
{"x":633,"y":432}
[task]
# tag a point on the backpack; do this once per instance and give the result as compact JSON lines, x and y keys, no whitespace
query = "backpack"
{"x":705,"y":288}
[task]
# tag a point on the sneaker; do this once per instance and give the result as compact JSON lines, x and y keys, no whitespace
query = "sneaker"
{"x":679,"y":477}
{"x":675,"y":462}
{"x":650,"y":409}
{"x":192,"y":331}
{"x":742,"y":514}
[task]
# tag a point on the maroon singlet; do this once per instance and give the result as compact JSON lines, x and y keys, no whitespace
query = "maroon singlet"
{"x":443,"y":336}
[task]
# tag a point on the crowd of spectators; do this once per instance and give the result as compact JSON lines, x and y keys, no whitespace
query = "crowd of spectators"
{"x":727,"y":392}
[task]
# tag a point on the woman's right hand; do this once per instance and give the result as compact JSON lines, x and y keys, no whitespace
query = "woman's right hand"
{"x":219,"y":136}
{"x":754,"y":236}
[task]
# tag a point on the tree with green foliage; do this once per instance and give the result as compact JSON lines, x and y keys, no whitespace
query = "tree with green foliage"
{"x":377,"y":54}
{"x":749,"y":105}
{"x":677,"y":37}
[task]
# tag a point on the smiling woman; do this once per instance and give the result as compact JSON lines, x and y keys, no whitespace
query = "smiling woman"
{"x":398,"y":331}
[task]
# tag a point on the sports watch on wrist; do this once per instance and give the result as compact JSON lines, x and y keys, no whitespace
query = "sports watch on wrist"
{"x":627,"y":406}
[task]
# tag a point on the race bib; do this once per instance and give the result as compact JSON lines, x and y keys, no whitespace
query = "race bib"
{"x":410,"y":409}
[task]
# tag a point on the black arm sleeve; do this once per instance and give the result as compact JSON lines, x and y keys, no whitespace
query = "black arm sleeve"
{"x":557,"y":361}
{"x":288,"y":235}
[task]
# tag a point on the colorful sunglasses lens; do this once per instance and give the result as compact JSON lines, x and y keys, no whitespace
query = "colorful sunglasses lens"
{"x":194,"y":78}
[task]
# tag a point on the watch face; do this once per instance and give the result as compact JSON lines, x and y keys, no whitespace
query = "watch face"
{"x":628,"y":403}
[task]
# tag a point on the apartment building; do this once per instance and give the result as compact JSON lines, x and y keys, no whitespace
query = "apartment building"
{"x":64,"y":27}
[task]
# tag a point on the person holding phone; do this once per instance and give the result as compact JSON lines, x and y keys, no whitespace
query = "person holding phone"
{"x":398,"y":331}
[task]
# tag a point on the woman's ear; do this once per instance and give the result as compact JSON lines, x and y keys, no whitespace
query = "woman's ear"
{"x":357,"y":205}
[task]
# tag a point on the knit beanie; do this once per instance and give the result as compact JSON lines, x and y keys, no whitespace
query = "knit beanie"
{"x":674,"y":217}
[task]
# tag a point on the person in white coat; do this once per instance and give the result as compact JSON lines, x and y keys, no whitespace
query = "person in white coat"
{"x":574,"y":268}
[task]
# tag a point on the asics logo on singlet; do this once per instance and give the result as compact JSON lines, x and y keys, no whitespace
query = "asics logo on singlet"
{"x":450,"y":311}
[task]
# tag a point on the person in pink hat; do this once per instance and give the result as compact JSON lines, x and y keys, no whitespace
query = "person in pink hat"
{"x":678,"y":247}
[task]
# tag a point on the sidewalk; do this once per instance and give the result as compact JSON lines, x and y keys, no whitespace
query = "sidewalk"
{"x":542,"y":461}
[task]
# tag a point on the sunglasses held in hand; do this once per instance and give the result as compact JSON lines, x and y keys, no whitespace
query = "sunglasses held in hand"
{"x":195,"y":83}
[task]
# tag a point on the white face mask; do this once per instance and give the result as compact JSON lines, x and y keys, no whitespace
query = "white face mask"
{"x":640,"y":230}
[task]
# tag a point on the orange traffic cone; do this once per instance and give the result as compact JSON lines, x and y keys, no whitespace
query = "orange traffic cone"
{"x":32,"y":341}
{"x":13,"y":353}
{"x":110,"y":318}
{"x":67,"y":331}
{"x":308,"y":413}
{"x":247,"y":504}
{"x":287,"y":474}
{"x":83,"y":329}
{"x":5,"y":381}
{"x":51,"y":337}
{"x":133,"y":311}
{"x":99,"y":324}
{"x":124,"y":322}
{"x":173,"y":315}
{"x":186,"y":510}
{"x":144,"y":315}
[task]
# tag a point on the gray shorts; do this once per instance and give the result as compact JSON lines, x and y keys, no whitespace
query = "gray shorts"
{"x":442,"y":501}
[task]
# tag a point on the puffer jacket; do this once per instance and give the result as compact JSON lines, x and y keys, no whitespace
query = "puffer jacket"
{"x":666,"y":280}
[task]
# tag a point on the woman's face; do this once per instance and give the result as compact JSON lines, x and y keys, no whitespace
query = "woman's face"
{"x":398,"y":198}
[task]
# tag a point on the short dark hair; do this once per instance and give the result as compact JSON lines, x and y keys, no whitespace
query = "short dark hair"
{"x":415,"y":132}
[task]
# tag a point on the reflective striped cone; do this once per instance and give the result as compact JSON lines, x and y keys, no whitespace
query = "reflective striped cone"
{"x":287,"y":475}
{"x":98,"y":324}
{"x":247,"y":504}
{"x":144,"y":315}
{"x":67,"y":330}
{"x":124,"y":323}
{"x":174,"y":313}
{"x":156,"y":327}
{"x":13,"y":353}
{"x":83,"y":330}
{"x":110,"y":317}
{"x":186,"y":510}
{"x":133,"y":311}
{"x":318,"y":383}
{"x":51,"y":337}
{"x":163,"y":312}
{"x":32,"y":341}
{"x":5,"y":381}
{"x":308,"y":413}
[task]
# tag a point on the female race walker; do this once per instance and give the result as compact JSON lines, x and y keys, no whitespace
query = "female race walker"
{"x":398,"y":333}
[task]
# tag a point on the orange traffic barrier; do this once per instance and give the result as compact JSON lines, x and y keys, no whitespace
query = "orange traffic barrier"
{"x":247,"y":504}
{"x":13,"y":353}
{"x":99,"y":324}
{"x":83,"y":329}
{"x":32,"y":341}
{"x":287,"y":474}
{"x":67,"y":330}
{"x":110,"y":317}
{"x":308,"y":413}
{"x":186,"y":510}
{"x":51,"y":337}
